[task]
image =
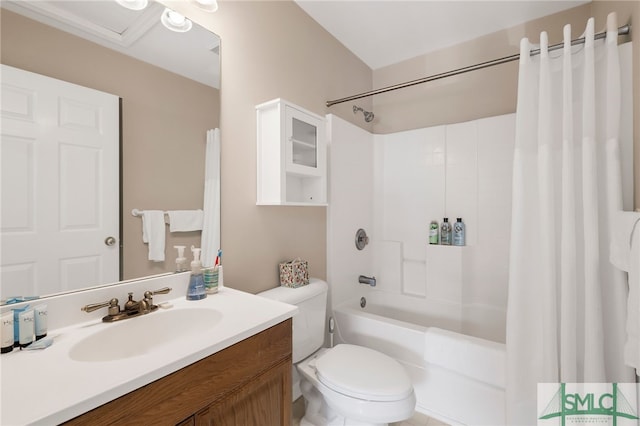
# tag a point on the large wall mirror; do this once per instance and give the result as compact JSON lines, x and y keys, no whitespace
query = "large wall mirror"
{"x":166,"y":84}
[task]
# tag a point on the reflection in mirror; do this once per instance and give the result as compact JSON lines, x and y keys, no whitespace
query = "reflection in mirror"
{"x":169,"y":97}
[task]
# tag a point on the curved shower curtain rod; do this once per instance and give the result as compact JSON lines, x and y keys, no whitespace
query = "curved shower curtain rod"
{"x":623,"y":30}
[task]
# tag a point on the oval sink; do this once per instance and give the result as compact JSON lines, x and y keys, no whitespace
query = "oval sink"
{"x":141,"y":335}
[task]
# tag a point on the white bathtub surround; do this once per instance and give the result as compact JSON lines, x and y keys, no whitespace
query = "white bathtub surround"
{"x":398,"y":183}
{"x":567,"y":303}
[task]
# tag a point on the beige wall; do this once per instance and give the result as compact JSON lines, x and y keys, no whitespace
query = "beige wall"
{"x":491,"y":91}
{"x":164,"y":121}
{"x":271,"y":50}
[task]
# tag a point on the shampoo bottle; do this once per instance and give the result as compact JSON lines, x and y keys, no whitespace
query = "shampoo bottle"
{"x":458,"y":232}
{"x":196,"y":290}
{"x":445,"y":232}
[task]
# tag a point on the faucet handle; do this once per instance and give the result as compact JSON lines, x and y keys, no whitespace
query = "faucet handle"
{"x":148,"y":297}
{"x":114,"y":308}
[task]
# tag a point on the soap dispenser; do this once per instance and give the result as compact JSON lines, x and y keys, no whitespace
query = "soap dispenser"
{"x":181,"y":261}
{"x":196,"y":290}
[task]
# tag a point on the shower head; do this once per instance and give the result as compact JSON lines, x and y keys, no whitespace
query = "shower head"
{"x":368,"y":116}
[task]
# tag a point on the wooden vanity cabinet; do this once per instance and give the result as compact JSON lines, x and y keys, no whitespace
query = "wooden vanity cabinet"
{"x":246,"y":384}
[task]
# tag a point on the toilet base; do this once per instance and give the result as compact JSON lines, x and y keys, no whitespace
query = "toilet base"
{"x":318,"y":413}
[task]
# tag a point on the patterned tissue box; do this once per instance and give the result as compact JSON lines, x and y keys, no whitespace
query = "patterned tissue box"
{"x":294,"y":273}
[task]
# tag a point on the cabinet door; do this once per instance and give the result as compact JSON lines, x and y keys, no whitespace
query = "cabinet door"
{"x":304,"y":139}
{"x":265,"y":401}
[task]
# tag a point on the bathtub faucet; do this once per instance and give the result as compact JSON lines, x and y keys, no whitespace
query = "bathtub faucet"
{"x":362,"y":279}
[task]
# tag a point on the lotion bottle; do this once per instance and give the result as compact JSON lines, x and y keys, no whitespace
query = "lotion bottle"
{"x":6,"y":332}
{"x":196,"y":289}
{"x":16,"y":324}
{"x":40,"y":323}
{"x":26,"y":328}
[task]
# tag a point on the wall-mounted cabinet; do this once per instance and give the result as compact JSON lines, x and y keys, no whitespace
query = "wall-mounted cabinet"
{"x":292,"y":155}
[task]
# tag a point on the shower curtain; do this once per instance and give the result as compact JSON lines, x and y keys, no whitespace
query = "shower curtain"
{"x":567,"y":303}
{"x":210,"y":239}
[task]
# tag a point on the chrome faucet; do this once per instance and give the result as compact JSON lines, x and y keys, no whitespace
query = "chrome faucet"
{"x":131,"y":307}
{"x":362,"y":279}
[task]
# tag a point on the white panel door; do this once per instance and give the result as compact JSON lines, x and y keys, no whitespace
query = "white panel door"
{"x":59,"y":185}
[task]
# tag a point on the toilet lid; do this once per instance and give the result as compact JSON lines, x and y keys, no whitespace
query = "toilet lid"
{"x":363,"y":373}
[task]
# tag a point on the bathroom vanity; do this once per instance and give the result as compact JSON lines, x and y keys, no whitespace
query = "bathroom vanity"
{"x":248,"y":383}
{"x":225,"y":359}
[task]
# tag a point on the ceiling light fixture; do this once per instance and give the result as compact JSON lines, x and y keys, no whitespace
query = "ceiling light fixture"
{"x":206,"y":5}
{"x":175,"y":21}
{"x":133,"y":4}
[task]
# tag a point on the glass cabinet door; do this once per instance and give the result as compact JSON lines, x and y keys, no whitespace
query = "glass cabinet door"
{"x":304,"y":143}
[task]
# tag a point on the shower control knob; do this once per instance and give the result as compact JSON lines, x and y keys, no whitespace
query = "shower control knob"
{"x":361,"y":239}
{"x":110,"y":241}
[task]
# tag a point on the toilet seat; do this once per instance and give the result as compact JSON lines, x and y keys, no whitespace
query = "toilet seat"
{"x":348,"y":400}
{"x":363,"y":373}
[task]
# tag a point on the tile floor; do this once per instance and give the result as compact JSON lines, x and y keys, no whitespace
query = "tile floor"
{"x":418,"y":419}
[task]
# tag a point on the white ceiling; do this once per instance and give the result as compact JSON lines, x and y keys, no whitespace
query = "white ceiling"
{"x":194,"y":54}
{"x":383,"y":32}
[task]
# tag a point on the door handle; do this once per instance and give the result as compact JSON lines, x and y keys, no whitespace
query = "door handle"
{"x":110,"y":241}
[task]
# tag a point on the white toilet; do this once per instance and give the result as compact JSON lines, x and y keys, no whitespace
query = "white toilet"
{"x":347,"y":384}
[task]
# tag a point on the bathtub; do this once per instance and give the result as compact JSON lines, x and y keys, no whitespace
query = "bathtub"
{"x":458,"y":379}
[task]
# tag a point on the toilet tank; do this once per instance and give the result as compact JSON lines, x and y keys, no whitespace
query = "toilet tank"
{"x":309,"y":322}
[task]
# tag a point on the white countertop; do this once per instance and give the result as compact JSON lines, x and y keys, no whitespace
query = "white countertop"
{"x":48,"y":387}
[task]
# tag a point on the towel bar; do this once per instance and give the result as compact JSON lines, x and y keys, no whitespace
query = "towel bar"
{"x":136,"y":212}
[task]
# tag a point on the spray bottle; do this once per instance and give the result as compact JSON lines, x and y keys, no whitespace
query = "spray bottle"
{"x":196,"y":290}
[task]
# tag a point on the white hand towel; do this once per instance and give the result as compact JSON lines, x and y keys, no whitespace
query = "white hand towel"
{"x":622,"y":227}
{"x":632,"y":345}
{"x":153,"y":233}
{"x":185,"y":220}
